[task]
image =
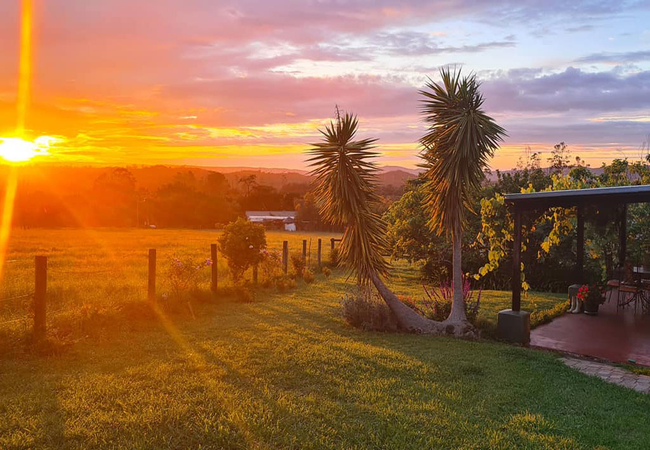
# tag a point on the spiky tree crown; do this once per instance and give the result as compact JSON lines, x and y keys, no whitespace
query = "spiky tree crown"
{"x":456,"y":149}
{"x":346,"y":179}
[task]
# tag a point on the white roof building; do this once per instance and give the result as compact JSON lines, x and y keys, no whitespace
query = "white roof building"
{"x":286,"y":217}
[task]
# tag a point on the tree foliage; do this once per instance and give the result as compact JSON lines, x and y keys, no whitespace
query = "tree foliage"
{"x":345,"y":179}
{"x":242,"y":243}
{"x":460,"y":141}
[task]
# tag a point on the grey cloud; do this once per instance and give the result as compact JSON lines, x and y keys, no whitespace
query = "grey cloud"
{"x":615,"y":58}
{"x":570,"y":90}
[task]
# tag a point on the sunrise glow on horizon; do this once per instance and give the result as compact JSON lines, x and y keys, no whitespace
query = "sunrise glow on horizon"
{"x":247,"y":83}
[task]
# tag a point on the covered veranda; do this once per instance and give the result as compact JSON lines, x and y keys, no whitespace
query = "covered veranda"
{"x":616,"y":334}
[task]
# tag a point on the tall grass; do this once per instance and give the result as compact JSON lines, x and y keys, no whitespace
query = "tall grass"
{"x":104,"y":271}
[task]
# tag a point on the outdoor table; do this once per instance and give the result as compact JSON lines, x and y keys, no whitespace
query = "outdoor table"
{"x":640,"y":277}
{"x":642,"y":274}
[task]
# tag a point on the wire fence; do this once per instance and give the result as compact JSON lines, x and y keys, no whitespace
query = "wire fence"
{"x":32,"y":306}
{"x":18,"y":297}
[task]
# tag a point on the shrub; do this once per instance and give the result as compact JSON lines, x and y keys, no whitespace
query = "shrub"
{"x":183,"y":275}
{"x":538,"y":318}
{"x":242,"y":243}
{"x":243,"y":294}
{"x":308,"y":276}
{"x":437,"y":304}
{"x":326,"y":271}
{"x":270,"y":267}
{"x":284,"y":283}
{"x":298,"y":263}
{"x":334,"y":257}
{"x":364,"y":309}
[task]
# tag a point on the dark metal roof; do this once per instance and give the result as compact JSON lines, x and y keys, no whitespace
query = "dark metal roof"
{"x":579,"y":197}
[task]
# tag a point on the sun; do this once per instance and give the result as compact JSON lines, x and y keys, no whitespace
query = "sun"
{"x":17,"y":150}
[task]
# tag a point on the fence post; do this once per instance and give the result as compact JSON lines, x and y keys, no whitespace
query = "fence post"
{"x":285,"y":256}
{"x":304,"y":250}
{"x":320,"y":252}
{"x":213,"y":257}
{"x":40,"y":296}
{"x":151,"y":291}
{"x":309,"y":254}
{"x":332,"y":244}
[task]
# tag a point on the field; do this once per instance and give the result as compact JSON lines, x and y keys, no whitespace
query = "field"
{"x":282,"y":372}
{"x":104,"y":270}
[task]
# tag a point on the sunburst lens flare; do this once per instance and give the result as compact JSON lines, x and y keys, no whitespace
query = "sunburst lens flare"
{"x":17,"y":150}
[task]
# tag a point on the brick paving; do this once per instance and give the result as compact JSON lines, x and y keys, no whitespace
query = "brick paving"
{"x":614,"y":335}
{"x":611,"y":374}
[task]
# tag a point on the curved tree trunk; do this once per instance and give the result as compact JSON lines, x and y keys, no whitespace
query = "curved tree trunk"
{"x":406,"y":317}
{"x":411,"y":321}
{"x":458,"y":304}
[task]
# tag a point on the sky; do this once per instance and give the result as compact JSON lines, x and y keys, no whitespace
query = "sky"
{"x":249,"y":82}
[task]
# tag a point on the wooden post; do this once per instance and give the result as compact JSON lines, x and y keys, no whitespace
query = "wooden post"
{"x":580,"y":249}
{"x":151,"y":288}
{"x":285,"y":256}
{"x":213,"y":256}
{"x":319,"y":252}
{"x":332,"y":244}
{"x":516,"y":263}
{"x":622,"y":237}
{"x":304,"y":249}
{"x":309,"y":254}
{"x":40,"y":296}
{"x":255,"y":274}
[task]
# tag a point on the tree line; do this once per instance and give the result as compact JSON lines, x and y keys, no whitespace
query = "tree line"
{"x":116,"y":199}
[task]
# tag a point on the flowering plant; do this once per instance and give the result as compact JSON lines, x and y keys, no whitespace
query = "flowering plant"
{"x":437,"y":305}
{"x":593,"y":294}
{"x":184,"y":274}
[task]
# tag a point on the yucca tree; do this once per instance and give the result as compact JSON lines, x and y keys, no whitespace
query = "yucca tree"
{"x":346,"y":179}
{"x":456,"y":149}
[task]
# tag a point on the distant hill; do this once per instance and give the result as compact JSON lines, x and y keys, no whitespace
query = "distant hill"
{"x":413,"y":172}
{"x":225,"y":170}
{"x":73,"y":178}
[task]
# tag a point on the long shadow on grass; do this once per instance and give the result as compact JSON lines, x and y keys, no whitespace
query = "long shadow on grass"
{"x":525,"y":395}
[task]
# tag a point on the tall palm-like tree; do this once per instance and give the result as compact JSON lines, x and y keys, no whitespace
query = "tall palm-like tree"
{"x":346,"y":180}
{"x":456,"y":149}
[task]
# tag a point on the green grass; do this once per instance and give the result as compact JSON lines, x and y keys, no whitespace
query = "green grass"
{"x":286,"y":372}
{"x":405,"y":281}
{"x":107,"y":268}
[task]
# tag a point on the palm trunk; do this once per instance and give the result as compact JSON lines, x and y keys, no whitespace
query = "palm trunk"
{"x":408,"y":319}
{"x":458,"y":304}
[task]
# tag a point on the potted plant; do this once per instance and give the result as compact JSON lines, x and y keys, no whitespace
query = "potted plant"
{"x":592,"y":296}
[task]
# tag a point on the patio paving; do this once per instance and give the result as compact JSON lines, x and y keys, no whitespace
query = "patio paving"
{"x":611,"y":374}
{"x":618,"y":337}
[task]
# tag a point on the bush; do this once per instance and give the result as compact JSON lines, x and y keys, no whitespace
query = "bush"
{"x":326,"y":271}
{"x":433,"y":271}
{"x":437,"y":305}
{"x":243,"y":294}
{"x":270,"y":267}
{"x":364,"y":309}
{"x":298,"y":263}
{"x":183,"y":275}
{"x":242,"y":243}
{"x":538,"y":318}
{"x":334,"y":257}
{"x":308,"y":276}
{"x":284,"y":283}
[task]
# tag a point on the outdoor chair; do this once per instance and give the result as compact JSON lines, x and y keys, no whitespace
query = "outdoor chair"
{"x":627,"y":293}
{"x":612,"y":285}
{"x":615,"y":283}
{"x":628,"y":287}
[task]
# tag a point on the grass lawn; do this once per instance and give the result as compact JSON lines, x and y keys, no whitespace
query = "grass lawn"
{"x":107,"y":268}
{"x":405,"y":281}
{"x":287,"y":372}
